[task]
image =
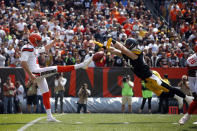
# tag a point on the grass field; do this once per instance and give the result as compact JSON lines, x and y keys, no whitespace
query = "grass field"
{"x":96,"y":122}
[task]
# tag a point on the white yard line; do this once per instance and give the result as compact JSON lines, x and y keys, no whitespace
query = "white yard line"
{"x":33,"y":122}
{"x":30,"y":124}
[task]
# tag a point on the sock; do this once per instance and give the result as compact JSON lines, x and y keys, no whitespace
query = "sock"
{"x":173,"y":90}
{"x":192,"y":107}
{"x":46,"y":100}
{"x":65,"y":68}
{"x":49,"y":114}
{"x":180,"y":101}
{"x":77,"y":66}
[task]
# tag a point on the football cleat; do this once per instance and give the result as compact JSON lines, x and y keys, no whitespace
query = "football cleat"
{"x":184,"y":119}
{"x":52,"y":119}
{"x":195,"y":123}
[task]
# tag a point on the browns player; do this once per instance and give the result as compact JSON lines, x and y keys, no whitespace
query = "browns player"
{"x":28,"y":59}
{"x":192,"y":67}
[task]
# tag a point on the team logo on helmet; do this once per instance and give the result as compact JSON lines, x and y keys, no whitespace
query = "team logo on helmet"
{"x":35,"y":39}
{"x":130,"y":43}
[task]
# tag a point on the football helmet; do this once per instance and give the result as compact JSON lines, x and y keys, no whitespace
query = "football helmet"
{"x":130,"y":43}
{"x":35,"y":39}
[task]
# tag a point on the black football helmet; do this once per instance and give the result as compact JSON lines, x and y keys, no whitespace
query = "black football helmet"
{"x":130,"y":43}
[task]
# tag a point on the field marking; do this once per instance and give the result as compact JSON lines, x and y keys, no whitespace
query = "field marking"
{"x":33,"y":122}
{"x":78,"y":122}
{"x":30,"y":124}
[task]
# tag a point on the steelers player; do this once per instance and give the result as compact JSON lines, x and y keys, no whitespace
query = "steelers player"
{"x":153,"y":81}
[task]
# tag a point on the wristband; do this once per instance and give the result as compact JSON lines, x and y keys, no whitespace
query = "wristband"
{"x":113,"y":41}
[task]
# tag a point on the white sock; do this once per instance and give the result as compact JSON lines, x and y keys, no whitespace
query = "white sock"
{"x":49,"y":114}
{"x":178,"y":97}
{"x":78,"y":66}
{"x":187,"y":115}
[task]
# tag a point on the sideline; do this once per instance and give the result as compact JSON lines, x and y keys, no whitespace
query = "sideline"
{"x":33,"y":122}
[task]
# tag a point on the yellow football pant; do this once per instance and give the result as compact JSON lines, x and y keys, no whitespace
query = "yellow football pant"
{"x":153,"y":83}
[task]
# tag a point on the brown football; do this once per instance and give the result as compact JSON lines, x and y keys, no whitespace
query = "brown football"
{"x":98,"y":56}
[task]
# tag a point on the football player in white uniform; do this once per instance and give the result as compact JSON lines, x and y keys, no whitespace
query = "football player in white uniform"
{"x":192,"y":77}
{"x":29,"y":62}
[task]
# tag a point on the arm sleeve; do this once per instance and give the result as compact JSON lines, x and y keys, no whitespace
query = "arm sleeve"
{"x":41,"y":49}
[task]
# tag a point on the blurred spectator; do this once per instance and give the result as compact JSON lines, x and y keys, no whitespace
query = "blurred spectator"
{"x":2,"y":59}
{"x":59,"y":90}
{"x":118,"y":61}
{"x":163,"y":61}
{"x":77,"y":27}
{"x":58,"y":60}
{"x":42,"y":60}
{"x":163,"y":103}
{"x":127,"y":93}
{"x":70,"y":60}
{"x":8,"y":93}
{"x":19,"y":97}
{"x":39,"y":102}
{"x":83,"y":94}
{"x":89,"y":55}
{"x":147,"y":94}
{"x":1,"y":98}
{"x":184,"y":85}
{"x":31,"y":96}
{"x":109,"y":60}
{"x":154,"y":60}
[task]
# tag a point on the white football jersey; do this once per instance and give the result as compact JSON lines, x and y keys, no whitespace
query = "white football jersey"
{"x":192,"y":60}
{"x":30,"y":54}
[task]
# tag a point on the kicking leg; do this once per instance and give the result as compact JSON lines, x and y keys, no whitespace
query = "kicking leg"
{"x":49,"y":71}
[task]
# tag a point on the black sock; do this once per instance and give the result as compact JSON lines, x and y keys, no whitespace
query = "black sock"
{"x":173,"y":90}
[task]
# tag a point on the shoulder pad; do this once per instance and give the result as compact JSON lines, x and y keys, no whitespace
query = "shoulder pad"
{"x":136,"y":51}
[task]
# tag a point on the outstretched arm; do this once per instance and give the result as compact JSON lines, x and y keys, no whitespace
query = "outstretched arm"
{"x":48,"y":47}
{"x":115,"y":51}
{"x":124,"y":50}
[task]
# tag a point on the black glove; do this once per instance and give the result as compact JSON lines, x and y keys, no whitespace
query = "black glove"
{"x":104,"y":47}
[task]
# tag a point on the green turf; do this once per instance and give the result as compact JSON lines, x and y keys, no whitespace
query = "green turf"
{"x":98,"y":122}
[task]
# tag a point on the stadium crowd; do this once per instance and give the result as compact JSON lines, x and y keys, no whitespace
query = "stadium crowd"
{"x":97,"y":20}
{"x":79,"y":23}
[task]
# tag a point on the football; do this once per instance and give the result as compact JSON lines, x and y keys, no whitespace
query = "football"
{"x":98,"y":56}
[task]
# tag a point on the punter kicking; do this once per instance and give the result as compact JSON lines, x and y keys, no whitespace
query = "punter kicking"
{"x":28,"y":59}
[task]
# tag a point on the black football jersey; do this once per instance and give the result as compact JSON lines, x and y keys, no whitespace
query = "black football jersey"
{"x":139,"y":67}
